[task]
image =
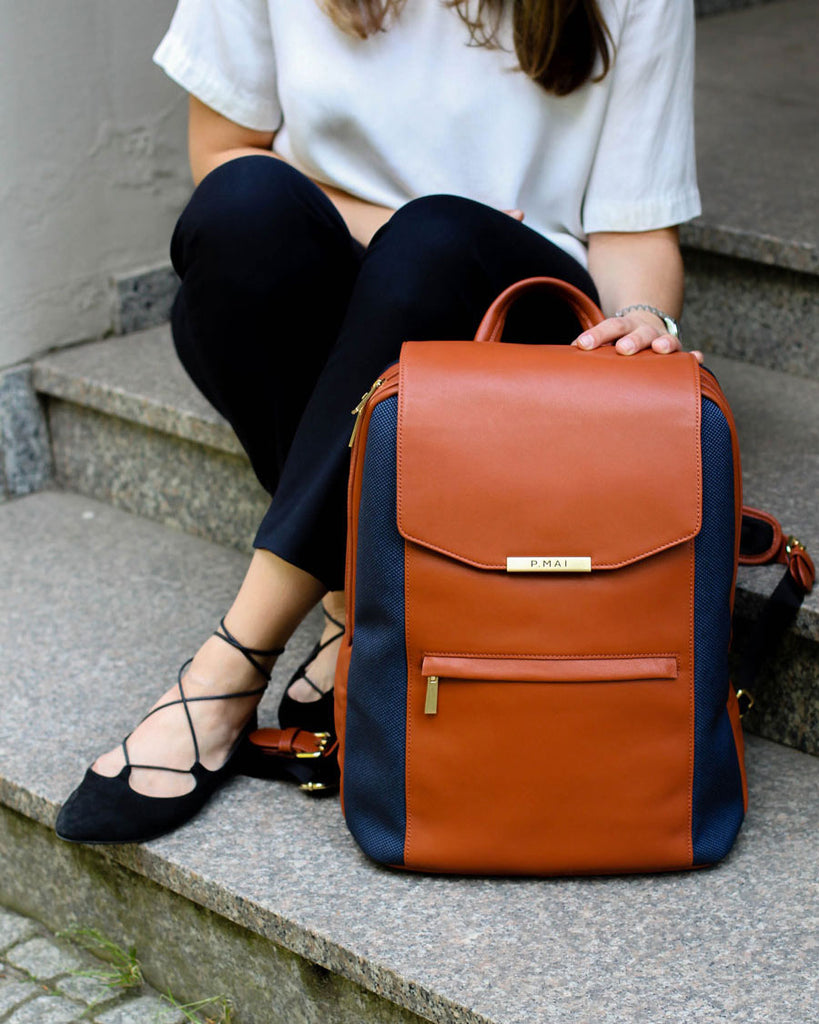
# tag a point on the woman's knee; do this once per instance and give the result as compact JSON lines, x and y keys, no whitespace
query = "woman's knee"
{"x":428,"y":256}
{"x":450,"y":257}
{"x":252,"y":211}
{"x":444,"y":228}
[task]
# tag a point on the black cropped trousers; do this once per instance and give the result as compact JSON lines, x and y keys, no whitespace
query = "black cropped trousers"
{"x":283,"y":320}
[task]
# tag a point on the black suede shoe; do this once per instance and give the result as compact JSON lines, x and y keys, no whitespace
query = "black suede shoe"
{"x":106,"y":809}
{"x":312,"y":715}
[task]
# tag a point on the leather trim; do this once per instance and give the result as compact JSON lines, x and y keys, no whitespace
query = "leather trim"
{"x":711,"y":389}
{"x":340,"y":707}
{"x":555,"y":669}
{"x":491,"y":326}
{"x":389,"y":387}
{"x":775,"y":551}
{"x":292,"y":742}
{"x":799,"y":562}
{"x":739,"y":740}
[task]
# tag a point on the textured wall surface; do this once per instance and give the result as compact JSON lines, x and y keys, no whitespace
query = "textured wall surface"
{"x":92,"y":168}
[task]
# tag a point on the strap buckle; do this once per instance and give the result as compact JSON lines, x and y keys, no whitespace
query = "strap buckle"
{"x":308,"y":758}
{"x":800,"y":564}
{"x":292,"y":743}
{"x":793,"y":544}
{"x":323,"y":739}
{"x":745,"y":700}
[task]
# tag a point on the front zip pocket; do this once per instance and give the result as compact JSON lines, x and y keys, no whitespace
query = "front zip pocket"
{"x":604,"y":669}
{"x":549,"y":764}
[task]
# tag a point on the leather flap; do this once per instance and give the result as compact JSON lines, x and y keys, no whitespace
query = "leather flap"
{"x":547,"y":452}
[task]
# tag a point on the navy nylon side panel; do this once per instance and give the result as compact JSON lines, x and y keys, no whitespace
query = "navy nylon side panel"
{"x":717,"y":791}
{"x":374,"y":759}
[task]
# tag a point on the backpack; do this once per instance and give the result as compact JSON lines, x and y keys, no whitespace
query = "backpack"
{"x":541,"y":563}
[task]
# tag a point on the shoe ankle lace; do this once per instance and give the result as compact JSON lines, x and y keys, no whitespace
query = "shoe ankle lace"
{"x":184,"y":700}
{"x":301,"y":671}
{"x":248,"y":652}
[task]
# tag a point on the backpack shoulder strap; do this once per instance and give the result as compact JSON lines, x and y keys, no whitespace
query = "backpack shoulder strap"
{"x":762,"y":542}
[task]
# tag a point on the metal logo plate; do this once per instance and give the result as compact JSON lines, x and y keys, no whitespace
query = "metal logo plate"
{"x":550,"y":563}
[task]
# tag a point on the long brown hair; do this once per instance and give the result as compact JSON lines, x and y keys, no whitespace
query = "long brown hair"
{"x":556,"y":41}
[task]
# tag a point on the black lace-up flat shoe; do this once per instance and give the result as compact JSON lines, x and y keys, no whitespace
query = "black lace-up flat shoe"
{"x":105,"y":809}
{"x":313,"y":715}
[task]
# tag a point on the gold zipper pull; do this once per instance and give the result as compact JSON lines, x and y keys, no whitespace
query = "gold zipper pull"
{"x":359,"y":409}
{"x":431,"y":704}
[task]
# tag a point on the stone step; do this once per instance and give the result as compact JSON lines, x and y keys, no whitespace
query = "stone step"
{"x":752,"y":258}
{"x":704,"y":8}
{"x":265,"y":898}
{"x":128,"y":426}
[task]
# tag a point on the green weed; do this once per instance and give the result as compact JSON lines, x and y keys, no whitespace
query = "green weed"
{"x":216,"y":1010}
{"x":123,"y":971}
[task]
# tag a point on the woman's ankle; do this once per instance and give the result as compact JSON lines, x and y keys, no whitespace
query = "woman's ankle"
{"x":333,"y":606}
{"x":221,"y":667}
{"x":272,"y":600}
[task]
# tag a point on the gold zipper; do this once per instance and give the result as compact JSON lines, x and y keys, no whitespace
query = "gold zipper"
{"x":431,"y":703}
{"x":359,"y":409}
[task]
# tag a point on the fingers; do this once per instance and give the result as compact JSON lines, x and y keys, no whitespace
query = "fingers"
{"x":662,"y":345}
{"x":515,"y":214}
{"x":630,"y":335}
{"x":668,"y":343}
{"x":605,"y":333}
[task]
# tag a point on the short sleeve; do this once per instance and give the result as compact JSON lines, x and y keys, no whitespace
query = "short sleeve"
{"x":221,"y":51}
{"x":644,"y":171}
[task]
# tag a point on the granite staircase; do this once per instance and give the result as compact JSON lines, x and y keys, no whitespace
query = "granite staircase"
{"x":135,"y":538}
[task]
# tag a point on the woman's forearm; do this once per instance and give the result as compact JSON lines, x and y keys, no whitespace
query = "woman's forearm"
{"x":643,"y":267}
{"x":214,"y":140}
{"x":363,"y":219}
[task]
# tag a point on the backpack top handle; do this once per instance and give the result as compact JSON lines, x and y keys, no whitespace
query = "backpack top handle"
{"x":586,"y":311}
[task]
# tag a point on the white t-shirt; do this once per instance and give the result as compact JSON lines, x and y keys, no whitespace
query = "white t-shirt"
{"x":416,"y":110}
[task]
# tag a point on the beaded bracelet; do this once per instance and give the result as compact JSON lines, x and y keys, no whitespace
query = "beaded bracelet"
{"x":671,"y":324}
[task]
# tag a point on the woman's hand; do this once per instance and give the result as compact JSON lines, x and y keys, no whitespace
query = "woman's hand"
{"x":637,"y":330}
{"x":635,"y":267}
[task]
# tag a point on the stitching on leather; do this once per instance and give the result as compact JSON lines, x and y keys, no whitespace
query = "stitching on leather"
{"x":405,"y":533}
{"x":691,"y":703}
{"x":407,"y":573}
{"x":697,"y":398}
{"x":692,"y":578}
{"x":409,"y":710}
{"x":399,"y":456}
{"x":353,"y":499}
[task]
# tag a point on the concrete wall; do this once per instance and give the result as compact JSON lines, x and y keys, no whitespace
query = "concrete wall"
{"x":92,"y":163}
